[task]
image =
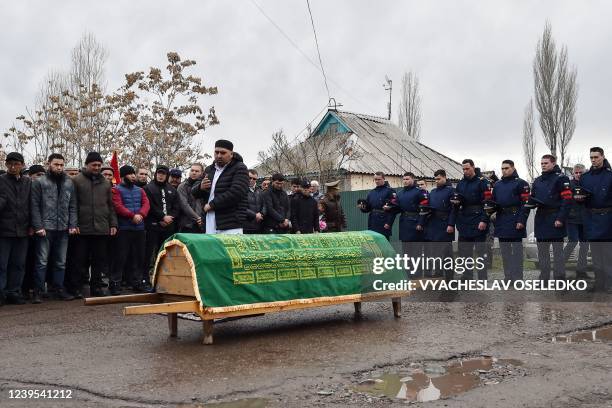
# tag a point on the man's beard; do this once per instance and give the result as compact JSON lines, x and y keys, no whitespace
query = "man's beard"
{"x":127,"y":182}
{"x":56,"y":176}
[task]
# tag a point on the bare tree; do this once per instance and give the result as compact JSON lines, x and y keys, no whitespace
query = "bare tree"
{"x":568,"y":99}
{"x":322,"y":155}
{"x":556,"y":93}
{"x":409,"y":113}
{"x":529,"y":141}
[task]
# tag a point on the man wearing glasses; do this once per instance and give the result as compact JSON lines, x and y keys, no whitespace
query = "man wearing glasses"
{"x":575,"y":228}
{"x":14,"y":225}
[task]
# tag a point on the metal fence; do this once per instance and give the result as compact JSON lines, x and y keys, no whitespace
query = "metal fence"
{"x":355,"y":219}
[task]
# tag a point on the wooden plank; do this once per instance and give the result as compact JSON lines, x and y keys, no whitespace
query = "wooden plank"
{"x":192,"y":306}
{"x":133,"y":298}
{"x":175,"y":285}
{"x":270,"y":309}
{"x":173,"y":324}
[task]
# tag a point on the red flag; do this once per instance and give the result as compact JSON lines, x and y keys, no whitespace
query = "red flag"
{"x":115,"y":165}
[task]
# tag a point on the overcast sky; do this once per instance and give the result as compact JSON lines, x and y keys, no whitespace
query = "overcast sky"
{"x":473,"y":59}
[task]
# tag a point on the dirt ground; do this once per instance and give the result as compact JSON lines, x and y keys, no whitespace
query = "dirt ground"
{"x":314,"y":357}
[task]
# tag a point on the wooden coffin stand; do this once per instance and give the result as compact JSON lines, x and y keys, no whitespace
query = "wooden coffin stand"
{"x":176,"y":292}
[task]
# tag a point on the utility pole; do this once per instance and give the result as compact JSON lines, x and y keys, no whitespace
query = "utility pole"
{"x":388,"y":87}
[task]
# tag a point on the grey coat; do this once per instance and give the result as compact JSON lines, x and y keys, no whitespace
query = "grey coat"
{"x":52,"y":209}
{"x":191,"y":207}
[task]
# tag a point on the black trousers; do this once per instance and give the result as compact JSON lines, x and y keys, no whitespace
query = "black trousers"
{"x":414,"y":249}
{"x":73,"y":280}
{"x":154,"y":240}
{"x":130,"y":255}
{"x":91,"y":252}
{"x":601,"y":254}
{"x":512,"y":257}
{"x":474,"y":247}
{"x":544,"y":258}
{"x":436,"y":253}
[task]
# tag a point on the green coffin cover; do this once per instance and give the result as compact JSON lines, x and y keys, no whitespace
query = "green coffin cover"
{"x":236,"y":270}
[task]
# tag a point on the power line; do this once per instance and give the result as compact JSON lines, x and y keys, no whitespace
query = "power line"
{"x":318,"y":51}
{"x":280,"y":30}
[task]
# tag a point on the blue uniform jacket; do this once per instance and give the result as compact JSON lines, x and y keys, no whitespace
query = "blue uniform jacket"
{"x":443,"y":214}
{"x":510,"y":194}
{"x":552,"y":189}
{"x":408,"y":201}
{"x":378,"y":217}
{"x":471,"y":212}
{"x":598,"y":214}
{"x":576,"y":211}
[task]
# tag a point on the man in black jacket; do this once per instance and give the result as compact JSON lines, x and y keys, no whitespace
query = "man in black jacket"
{"x":224,"y":189}
{"x":254,"y":212}
{"x":161,"y":222}
{"x":304,"y":210}
{"x":14,"y":225}
{"x":276,"y":207}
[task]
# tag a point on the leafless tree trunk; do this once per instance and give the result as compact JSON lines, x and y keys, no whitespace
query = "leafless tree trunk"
{"x":556,"y":92}
{"x":87,"y":76}
{"x":409,"y":113}
{"x":568,"y":98}
{"x":529,"y":141}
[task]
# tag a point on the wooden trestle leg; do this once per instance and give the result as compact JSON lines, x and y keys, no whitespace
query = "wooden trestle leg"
{"x":208,"y":331}
{"x":173,"y":324}
{"x":397,"y":307}
{"x":357,"y":309}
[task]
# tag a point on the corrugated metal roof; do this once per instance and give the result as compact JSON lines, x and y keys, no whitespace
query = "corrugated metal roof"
{"x":385,"y":147}
{"x":377,"y":145}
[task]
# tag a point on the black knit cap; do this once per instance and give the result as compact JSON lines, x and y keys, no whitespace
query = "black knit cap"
{"x":14,"y":156}
{"x":278,"y":177}
{"x":93,"y":157}
{"x":225,"y":144}
{"x":36,"y":168}
{"x":125,"y":170}
{"x":162,"y":167}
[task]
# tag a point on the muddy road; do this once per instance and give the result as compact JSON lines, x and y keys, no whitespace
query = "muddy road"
{"x":520,"y":352}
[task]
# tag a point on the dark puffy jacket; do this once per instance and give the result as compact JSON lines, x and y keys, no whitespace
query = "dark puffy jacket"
{"x":14,"y":206}
{"x":191,"y":207}
{"x":96,"y":214}
{"x":304,"y":214}
{"x":334,"y":214}
{"x":52,"y":209}
{"x":255,"y":205}
{"x":129,"y":201}
{"x":163,"y":200}
{"x":276,"y":208}
{"x":230,"y":196}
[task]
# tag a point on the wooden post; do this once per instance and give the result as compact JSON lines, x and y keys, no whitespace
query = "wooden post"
{"x":357,"y":309}
{"x":397,"y":307}
{"x":208,"y":331}
{"x":173,"y":324}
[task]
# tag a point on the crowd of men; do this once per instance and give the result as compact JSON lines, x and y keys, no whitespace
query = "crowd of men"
{"x":63,"y":229}
{"x":579,"y":209}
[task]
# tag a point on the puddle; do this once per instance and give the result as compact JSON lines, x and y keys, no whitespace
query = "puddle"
{"x":603,"y":334}
{"x":432,"y":381}
{"x":241,"y":403}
